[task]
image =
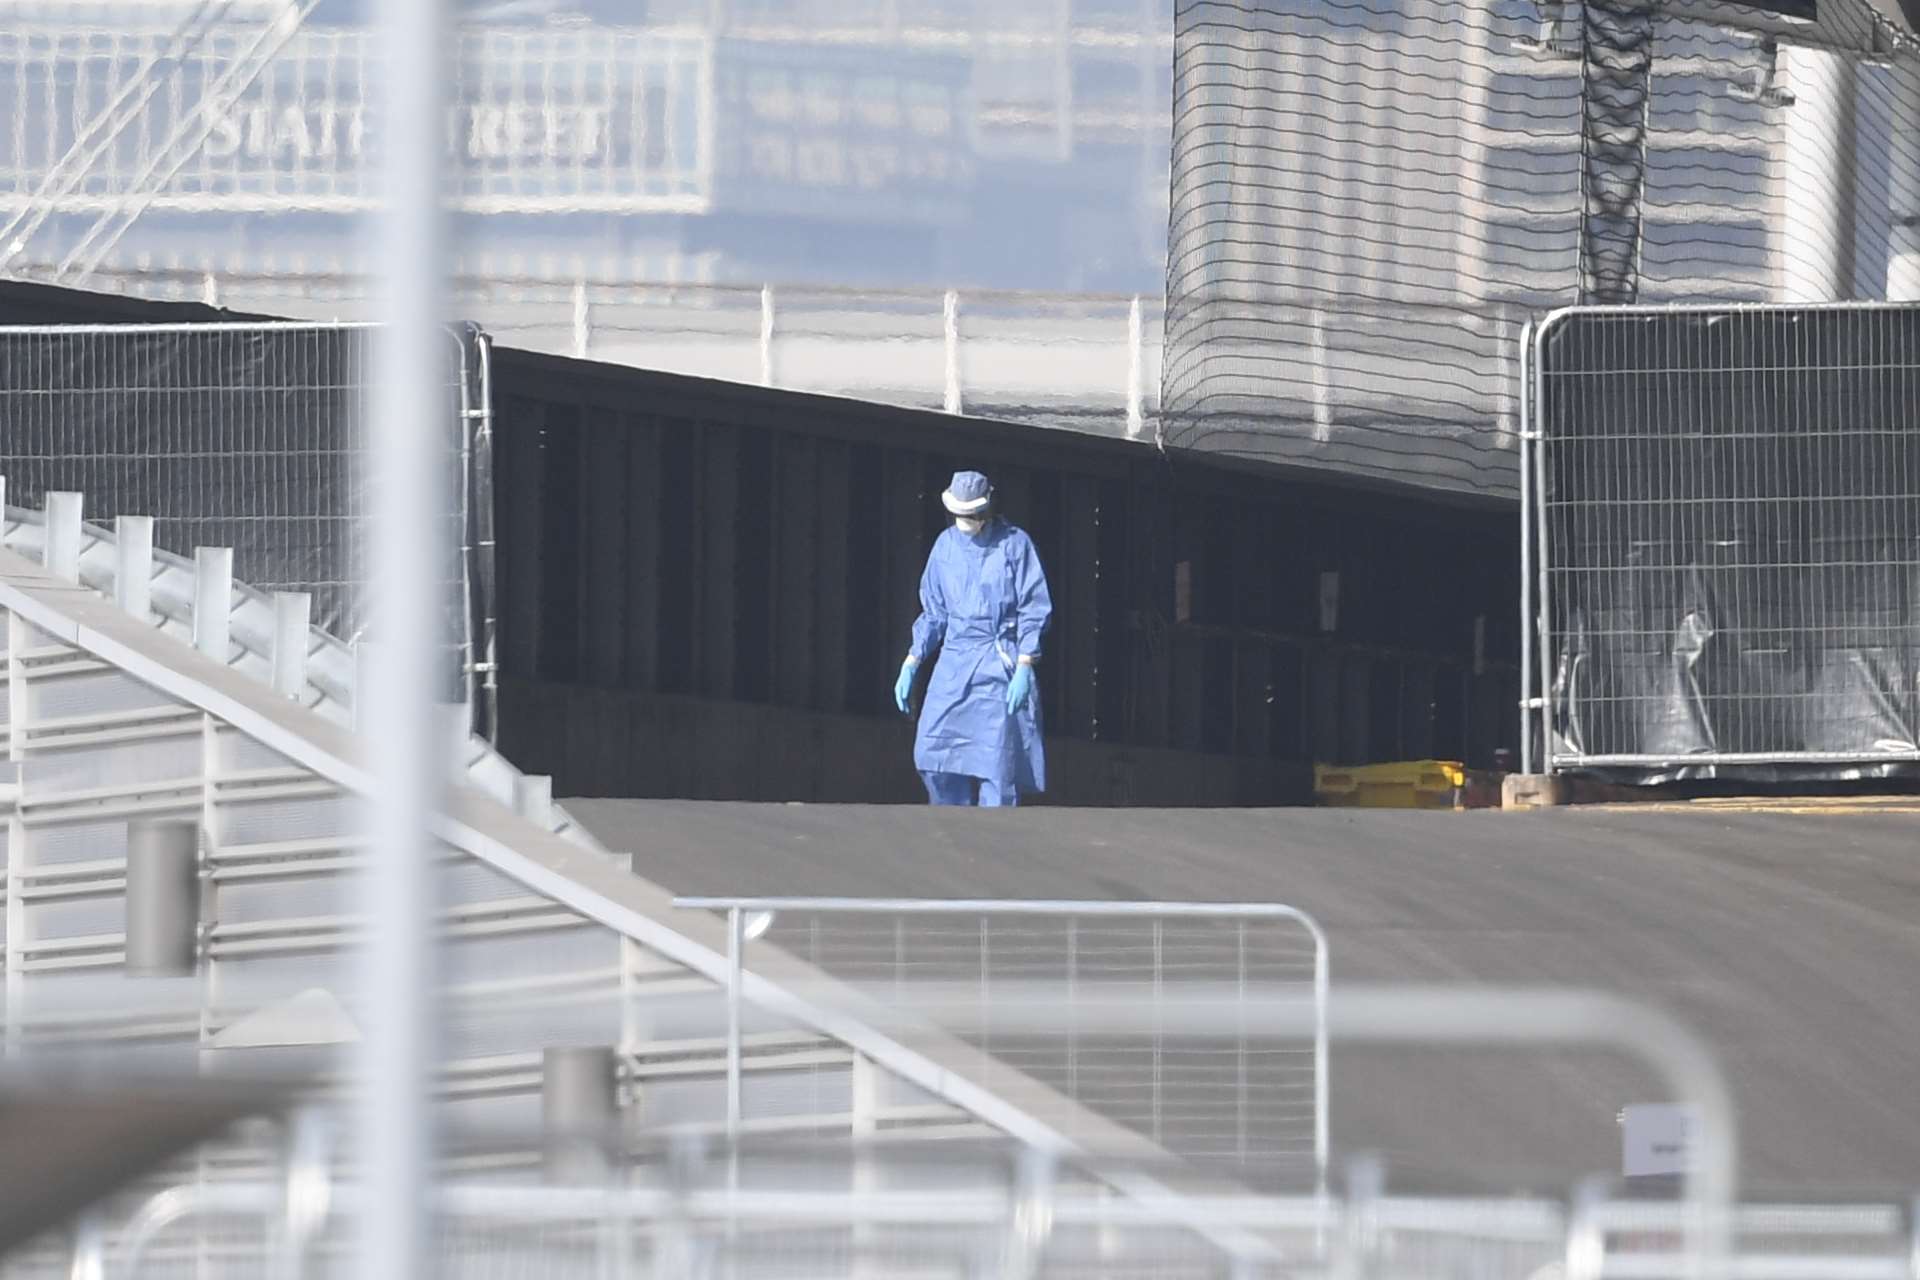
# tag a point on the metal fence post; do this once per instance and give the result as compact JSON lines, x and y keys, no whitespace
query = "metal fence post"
{"x":212,"y":600}
{"x":1913,"y":1238}
{"x":767,"y":371}
{"x":62,"y":551}
{"x":307,"y":1192}
{"x":1586,"y":1236}
{"x":1030,"y":1220}
{"x":952,"y":400}
{"x":133,"y":564}
{"x":1322,"y":401}
{"x":582,"y":321}
{"x":292,"y":616}
{"x":1526,"y":552}
{"x":736,"y":941}
{"x":89,"y":1260}
{"x":1136,"y":371}
{"x":1542,"y":602}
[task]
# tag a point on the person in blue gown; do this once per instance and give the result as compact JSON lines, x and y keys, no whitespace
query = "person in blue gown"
{"x":984,"y":607}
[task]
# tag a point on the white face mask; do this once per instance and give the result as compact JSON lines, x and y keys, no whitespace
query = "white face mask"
{"x":969,"y":525}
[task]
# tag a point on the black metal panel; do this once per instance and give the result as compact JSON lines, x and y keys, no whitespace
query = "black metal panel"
{"x":641,"y":555}
{"x":678,"y":540}
{"x":1112,"y":637}
{"x":796,"y":554}
{"x":560,"y":541}
{"x":769,"y":548}
{"x":872,"y":635}
{"x":521,"y":496}
{"x":604,"y":511}
{"x":833,"y":486}
{"x":756,"y":628}
{"x":1076,"y":578}
{"x":717,"y":520}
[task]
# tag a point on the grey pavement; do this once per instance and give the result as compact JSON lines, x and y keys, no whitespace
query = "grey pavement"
{"x":1791,"y":940}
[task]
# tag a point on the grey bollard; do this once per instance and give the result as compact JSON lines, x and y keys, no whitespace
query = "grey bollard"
{"x":580,"y":1113}
{"x":163,"y":898}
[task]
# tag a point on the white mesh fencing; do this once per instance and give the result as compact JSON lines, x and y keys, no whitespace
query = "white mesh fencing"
{"x":1247,"y":1105}
{"x":241,"y":436}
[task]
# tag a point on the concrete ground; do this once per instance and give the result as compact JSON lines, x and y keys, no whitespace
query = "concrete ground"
{"x":1786,"y":932}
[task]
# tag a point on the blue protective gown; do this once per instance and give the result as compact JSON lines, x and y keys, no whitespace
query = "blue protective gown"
{"x":983,"y":603}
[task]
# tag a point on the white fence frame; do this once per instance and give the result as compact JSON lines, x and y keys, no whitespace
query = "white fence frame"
{"x":473,"y":367}
{"x":738,"y":909}
{"x":1536,"y":599}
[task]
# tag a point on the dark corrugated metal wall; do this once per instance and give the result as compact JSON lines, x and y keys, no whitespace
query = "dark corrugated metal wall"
{"x":663,"y":536}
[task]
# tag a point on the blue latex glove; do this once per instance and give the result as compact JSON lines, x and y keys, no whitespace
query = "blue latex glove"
{"x":1020,"y":688}
{"x":903,"y":687}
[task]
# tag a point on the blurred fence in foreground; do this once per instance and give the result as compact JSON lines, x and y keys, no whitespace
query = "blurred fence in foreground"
{"x":911,"y":1210}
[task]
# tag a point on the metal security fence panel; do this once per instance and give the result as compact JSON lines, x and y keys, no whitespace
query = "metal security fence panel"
{"x":247,"y":436}
{"x":1725,"y":518}
{"x":1249,"y":1106}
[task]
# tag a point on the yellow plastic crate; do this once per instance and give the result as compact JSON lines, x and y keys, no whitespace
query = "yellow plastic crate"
{"x":1409,"y":784}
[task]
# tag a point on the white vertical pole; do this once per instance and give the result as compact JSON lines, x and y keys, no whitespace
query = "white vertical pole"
{"x":582,"y":321}
{"x":1136,"y":412}
{"x":864,"y":1101}
{"x":62,"y":552}
{"x":1903,"y":183}
{"x":133,"y":564}
{"x":1322,"y":404}
{"x":767,"y":371}
{"x":1526,"y":552}
{"x":736,"y":942}
{"x":951,"y":326}
{"x":292,"y":616}
{"x":406,"y":401}
{"x":1817,"y":171}
{"x":212,"y":600}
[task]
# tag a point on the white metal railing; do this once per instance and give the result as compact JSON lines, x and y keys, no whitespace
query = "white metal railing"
{"x":845,"y":1208}
{"x":990,"y":942}
{"x":1091,"y":360}
{"x":1056,"y":1227}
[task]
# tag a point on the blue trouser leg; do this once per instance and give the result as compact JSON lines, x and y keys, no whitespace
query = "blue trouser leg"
{"x":995,"y":795}
{"x":947,"y":788}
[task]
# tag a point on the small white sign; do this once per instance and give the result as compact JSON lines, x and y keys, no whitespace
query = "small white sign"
{"x":1653,"y":1139}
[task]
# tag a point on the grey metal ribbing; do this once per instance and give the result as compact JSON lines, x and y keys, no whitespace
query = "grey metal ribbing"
{"x":1616,"y":80}
{"x":163,"y":898}
{"x":580,"y":1113}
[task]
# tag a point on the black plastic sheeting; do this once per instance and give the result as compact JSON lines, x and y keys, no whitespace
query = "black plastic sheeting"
{"x":244,"y":437}
{"x":1732,"y":507}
